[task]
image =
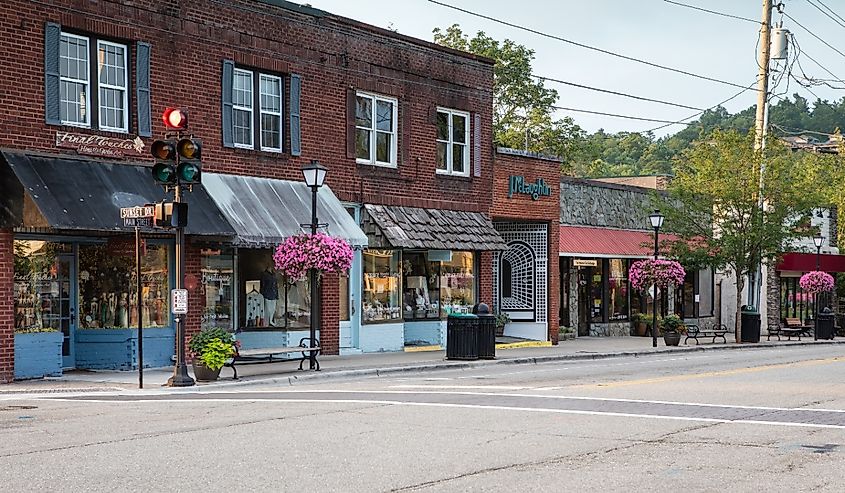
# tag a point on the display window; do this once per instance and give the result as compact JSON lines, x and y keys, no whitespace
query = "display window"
{"x":597,"y":293}
{"x":218,"y":269}
{"x":457,"y":283}
{"x":108,"y":285}
{"x":420,"y":287}
{"x":617,"y":289}
{"x":41,"y":285}
{"x":380,"y":300}
{"x":270,"y":300}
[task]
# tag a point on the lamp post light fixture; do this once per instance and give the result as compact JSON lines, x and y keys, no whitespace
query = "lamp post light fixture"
{"x":818,"y":240}
{"x":656,"y":219}
{"x":315,"y":175}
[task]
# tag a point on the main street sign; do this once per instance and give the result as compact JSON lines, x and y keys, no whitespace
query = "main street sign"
{"x":140,"y":215}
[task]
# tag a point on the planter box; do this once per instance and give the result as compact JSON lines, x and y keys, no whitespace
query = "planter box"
{"x":117,"y":349}
{"x":38,"y":355}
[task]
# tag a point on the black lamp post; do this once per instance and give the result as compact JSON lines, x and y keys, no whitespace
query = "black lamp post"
{"x":818,"y":240}
{"x":656,"y":219}
{"x":315,"y":175}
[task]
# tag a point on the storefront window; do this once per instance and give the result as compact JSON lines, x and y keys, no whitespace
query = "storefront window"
{"x":457,"y":283}
{"x":108,"y":287}
{"x":705,"y":293}
{"x":380,"y":301}
{"x":618,"y":289}
{"x":421,"y":290}
{"x":795,"y":303}
{"x":268,"y":299}
{"x":596,"y":293}
{"x":41,"y":285}
{"x":218,"y":283}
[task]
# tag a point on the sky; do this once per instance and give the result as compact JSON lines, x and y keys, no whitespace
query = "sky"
{"x":653,"y":30}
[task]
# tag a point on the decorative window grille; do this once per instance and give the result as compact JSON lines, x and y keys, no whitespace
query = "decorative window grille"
{"x":528,"y":259}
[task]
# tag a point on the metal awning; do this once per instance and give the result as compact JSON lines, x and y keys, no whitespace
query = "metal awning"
{"x":68,"y":193}
{"x":264,"y":211}
{"x":437,"y":229}
{"x":583,"y":241}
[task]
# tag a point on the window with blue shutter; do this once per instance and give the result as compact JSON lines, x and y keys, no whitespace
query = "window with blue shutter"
{"x":52,"y":78}
{"x":228,"y":128}
{"x":253,"y":104}
{"x":295,"y":119}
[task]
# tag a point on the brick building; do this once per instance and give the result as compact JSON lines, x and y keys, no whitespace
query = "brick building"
{"x":404,"y":127}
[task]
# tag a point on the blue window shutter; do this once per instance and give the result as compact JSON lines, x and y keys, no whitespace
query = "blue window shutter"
{"x":142,"y":88}
{"x":476,"y":146}
{"x":228,"y":124}
{"x":52,"y":40}
{"x":295,"y":118}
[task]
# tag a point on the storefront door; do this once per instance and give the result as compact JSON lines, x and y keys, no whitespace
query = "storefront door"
{"x":584,"y":308}
{"x":65,"y":312}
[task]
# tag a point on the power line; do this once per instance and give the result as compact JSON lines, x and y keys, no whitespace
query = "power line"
{"x":712,"y":11}
{"x":834,"y":19}
{"x":582,"y":45}
{"x":804,"y":53}
{"x":607,"y":91}
{"x":799,"y":131}
{"x":831,"y":10}
{"x":615,"y":115}
{"x":683,"y":121}
{"x":811,"y":33}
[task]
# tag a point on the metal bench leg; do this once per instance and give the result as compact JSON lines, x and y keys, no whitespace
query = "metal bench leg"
{"x":234,"y":370}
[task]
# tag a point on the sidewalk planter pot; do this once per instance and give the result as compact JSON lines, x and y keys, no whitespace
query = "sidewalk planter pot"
{"x":38,"y":355}
{"x":672,"y":327}
{"x":117,"y":349}
{"x":203,"y":373}
{"x":671,"y":338}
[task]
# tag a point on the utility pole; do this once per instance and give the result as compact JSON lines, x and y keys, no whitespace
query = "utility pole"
{"x":761,"y":122}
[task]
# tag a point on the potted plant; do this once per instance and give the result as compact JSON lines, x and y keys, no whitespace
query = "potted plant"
{"x":566,"y":333}
{"x":641,"y":323}
{"x":210,"y":349}
{"x":502,"y":319}
{"x":672,"y":327}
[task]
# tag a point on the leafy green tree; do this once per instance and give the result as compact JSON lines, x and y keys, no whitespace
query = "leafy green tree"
{"x":713,"y":202}
{"x":523,"y":116}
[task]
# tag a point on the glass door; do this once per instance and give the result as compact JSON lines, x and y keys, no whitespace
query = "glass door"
{"x":64,"y":305}
{"x":350,"y":295}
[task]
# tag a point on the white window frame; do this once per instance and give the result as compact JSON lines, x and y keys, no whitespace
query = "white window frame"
{"x":277,"y":80}
{"x":450,"y":144}
{"x":86,"y":81}
{"x":249,"y":109}
{"x":125,"y":88}
{"x":394,"y":142}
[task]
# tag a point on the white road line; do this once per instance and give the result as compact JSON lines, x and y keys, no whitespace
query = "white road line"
{"x":490,"y":387}
{"x":488,"y":407}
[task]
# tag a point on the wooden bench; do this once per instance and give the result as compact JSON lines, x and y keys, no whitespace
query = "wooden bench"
{"x":266,"y":355}
{"x":708,"y":330}
{"x":794,"y":327}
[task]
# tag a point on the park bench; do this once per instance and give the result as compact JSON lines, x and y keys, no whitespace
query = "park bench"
{"x":795,"y":328}
{"x":708,"y":330}
{"x":272,"y":355}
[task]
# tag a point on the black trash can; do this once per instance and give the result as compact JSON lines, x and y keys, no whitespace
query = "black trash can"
{"x":487,"y":336}
{"x":749,"y":325}
{"x":462,"y":337}
{"x":824,"y":328}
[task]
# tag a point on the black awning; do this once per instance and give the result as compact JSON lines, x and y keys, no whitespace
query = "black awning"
{"x":412,"y":227}
{"x":78,"y":194}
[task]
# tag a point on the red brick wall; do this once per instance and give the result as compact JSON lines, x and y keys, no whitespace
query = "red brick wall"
{"x":333,"y":55}
{"x":7,"y":308}
{"x":520,"y":207}
{"x":196,"y":292}
{"x":329,"y":314}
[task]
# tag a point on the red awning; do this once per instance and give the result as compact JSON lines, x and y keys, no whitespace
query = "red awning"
{"x":605,"y":242}
{"x":805,"y":262}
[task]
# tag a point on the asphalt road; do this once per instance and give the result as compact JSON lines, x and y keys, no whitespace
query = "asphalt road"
{"x":742,"y":420}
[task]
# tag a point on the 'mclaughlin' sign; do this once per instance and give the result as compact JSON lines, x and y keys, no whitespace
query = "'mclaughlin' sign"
{"x":519,"y":185}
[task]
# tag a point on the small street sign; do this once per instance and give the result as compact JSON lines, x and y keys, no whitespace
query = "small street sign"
{"x":179,"y":301}
{"x":140,"y":215}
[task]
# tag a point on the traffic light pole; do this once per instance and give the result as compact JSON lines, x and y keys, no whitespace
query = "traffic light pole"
{"x":180,"y":376}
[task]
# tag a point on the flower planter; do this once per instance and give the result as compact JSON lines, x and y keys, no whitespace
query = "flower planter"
{"x":671,"y":338}
{"x":38,"y":355}
{"x":117,"y":349}
{"x":203,"y":373}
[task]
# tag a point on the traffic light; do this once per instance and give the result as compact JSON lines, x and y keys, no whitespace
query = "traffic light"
{"x":164,"y":169}
{"x":189,"y":171}
{"x":175,"y":118}
{"x":171,"y":215}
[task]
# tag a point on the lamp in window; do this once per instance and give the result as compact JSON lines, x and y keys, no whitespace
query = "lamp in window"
{"x":314,"y":174}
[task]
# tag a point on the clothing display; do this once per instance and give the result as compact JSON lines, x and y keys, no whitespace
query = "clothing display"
{"x":254,"y":308}
{"x":269,"y":285}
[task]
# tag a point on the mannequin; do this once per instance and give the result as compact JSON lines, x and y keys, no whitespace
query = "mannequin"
{"x":270,"y":290}
{"x":123,"y":311}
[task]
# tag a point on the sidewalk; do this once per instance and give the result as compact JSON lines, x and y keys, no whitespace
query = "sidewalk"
{"x":380,"y":364}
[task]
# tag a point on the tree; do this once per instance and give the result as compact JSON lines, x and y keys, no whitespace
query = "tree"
{"x":523,"y":116}
{"x":713,"y":202}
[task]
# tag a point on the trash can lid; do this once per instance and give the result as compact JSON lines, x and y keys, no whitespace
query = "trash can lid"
{"x":462,"y":315}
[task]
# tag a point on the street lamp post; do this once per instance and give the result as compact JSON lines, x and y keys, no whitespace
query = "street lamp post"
{"x":315,"y":175}
{"x":818,"y":240}
{"x":656,"y":219}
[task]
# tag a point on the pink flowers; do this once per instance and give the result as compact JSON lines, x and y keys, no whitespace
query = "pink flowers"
{"x":645,"y":273}
{"x":816,"y":281}
{"x":297,"y":254}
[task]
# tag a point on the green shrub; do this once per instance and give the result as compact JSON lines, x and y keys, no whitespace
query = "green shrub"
{"x":213,"y":347}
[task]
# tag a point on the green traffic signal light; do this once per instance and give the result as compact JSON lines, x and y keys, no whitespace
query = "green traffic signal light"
{"x":189,"y":172}
{"x":164,"y":173}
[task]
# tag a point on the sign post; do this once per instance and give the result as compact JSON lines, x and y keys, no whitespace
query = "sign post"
{"x":136,"y":216}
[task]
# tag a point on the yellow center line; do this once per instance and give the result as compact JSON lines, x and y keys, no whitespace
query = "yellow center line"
{"x":709,"y":374}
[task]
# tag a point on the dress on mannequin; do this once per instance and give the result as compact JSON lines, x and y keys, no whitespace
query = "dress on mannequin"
{"x":270,"y":291}
{"x":254,"y":307}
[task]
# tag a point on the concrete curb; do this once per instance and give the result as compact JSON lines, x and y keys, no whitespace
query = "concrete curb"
{"x":467,"y":365}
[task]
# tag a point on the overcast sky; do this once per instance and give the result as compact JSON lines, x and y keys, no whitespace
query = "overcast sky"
{"x":652,"y":30}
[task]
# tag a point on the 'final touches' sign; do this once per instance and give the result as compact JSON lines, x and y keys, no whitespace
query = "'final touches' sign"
{"x":98,"y":145}
{"x":518,"y":184}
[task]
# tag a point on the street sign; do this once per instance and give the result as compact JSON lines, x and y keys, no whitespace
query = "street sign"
{"x":651,"y":290}
{"x":140,"y":215}
{"x":179,"y":301}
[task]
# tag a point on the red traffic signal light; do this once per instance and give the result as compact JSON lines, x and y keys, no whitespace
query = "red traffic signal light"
{"x":175,"y":118}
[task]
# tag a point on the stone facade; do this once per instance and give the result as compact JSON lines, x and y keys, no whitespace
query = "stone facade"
{"x":608,"y":205}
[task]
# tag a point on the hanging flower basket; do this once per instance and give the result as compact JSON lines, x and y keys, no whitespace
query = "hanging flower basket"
{"x":302,"y":252}
{"x":663,"y":273}
{"x":816,"y":282}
